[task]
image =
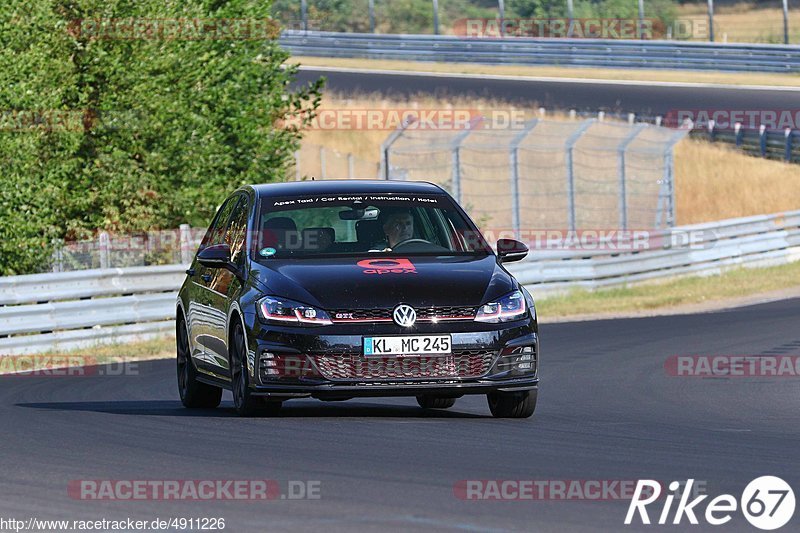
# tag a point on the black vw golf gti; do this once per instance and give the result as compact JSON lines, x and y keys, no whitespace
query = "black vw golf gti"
{"x":343,"y":289}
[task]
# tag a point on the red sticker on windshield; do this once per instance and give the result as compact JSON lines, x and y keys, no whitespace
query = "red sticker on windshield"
{"x":387,"y":266}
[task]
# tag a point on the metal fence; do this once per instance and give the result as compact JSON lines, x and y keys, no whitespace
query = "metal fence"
{"x":66,"y":311}
{"x":547,"y":173}
{"x":771,"y":20}
{"x":543,"y":51}
{"x":109,"y":250}
{"x":697,"y":249}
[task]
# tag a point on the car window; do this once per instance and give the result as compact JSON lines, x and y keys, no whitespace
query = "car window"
{"x":216,"y":230}
{"x":310,"y":226}
{"x":236,"y":234}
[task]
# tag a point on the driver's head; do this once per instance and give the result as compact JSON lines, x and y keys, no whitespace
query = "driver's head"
{"x":398,"y":225}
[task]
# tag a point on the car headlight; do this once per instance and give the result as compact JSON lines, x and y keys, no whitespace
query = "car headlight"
{"x":288,"y":312}
{"x":510,"y":307}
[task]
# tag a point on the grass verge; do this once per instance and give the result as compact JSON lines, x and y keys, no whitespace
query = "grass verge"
{"x":158,"y":348}
{"x":679,"y":76}
{"x":711,"y":291}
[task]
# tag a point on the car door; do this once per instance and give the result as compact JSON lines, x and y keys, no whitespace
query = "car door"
{"x":224,"y":285}
{"x":204,"y":317}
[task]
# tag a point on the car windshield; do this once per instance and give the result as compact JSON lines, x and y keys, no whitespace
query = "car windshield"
{"x":334,"y":225}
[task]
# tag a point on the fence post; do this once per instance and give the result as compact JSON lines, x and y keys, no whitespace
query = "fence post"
{"x":186,"y":244}
{"x":436,"y":17}
{"x":385,"y":171}
{"x":763,"y":139}
{"x":711,"y":20}
{"x":623,"y":193}
{"x":640,"y":29}
{"x":788,"y":154}
{"x":570,"y":144}
{"x":456,"y":148}
{"x":372,"y":16}
{"x":570,"y":14}
{"x":669,"y":179}
{"x":350,"y":166}
{"x":515,"y":211}
{"x":58,"y":256}
{"x":785,"y":21}
{"x":103,"y":246}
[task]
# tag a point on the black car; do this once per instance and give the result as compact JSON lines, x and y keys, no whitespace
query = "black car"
{"x":343,"y":289}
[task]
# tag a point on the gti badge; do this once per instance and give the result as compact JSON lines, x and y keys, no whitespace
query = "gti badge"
{"x":404,"y":315}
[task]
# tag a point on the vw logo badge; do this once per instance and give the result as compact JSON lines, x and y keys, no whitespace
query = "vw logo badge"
{"x":404,"y":315}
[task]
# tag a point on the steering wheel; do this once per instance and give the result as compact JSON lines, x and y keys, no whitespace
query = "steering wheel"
{"x":410,"y":241}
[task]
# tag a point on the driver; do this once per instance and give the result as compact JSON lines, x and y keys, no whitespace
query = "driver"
{"x":398,"y":226}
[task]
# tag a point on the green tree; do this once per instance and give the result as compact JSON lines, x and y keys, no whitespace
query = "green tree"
{"x":171,"y":125}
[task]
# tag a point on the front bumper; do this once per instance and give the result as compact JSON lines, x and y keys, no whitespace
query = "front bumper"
{"x":328,"y":363}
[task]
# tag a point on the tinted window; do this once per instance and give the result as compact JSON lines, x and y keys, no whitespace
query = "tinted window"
{"x":216,"y":231}
{"x":236,"y":235}
{"x":355,"y":225}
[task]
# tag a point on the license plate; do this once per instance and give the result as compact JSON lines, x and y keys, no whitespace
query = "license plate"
{"x":413,"y":345}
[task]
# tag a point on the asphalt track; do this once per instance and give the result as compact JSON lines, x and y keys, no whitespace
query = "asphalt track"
{"x":607,"y":411}
{"x":648,"y":99}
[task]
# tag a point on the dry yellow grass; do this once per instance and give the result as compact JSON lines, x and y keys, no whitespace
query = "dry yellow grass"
{"x":731,"y":286}
{"x":713,"y":181}
{"x":746,"y":22}
{"x":729,"y":78}
{"x":114,"y":354}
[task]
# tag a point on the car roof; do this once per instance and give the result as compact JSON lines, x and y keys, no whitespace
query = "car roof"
{"x":293,"y":188}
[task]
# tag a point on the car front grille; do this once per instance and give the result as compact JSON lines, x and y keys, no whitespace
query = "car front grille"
{"x":460,"y":364}
{"x":424,"y":314}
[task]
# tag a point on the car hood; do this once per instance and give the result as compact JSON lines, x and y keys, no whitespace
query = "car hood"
{"x":369,"y":282}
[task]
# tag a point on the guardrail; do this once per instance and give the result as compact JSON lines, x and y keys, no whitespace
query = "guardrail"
{"x":533,"y":51}
{"x":706,"y":249}
{"x":64,"y":311}
{"x":49,"y":312}
{"x":771,"y":144}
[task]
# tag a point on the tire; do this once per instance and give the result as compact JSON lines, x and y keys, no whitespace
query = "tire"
{"x":244,"y":403}
{"x":432,"y":402}
{"x":512,"y":404}
{"x":194,"y":395}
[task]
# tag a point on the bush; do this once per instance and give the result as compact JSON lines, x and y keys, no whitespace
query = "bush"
{"x":160,"y":130}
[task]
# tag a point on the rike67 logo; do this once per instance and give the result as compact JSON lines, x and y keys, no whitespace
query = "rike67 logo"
{"x":387,"y":266}
{"x":767,"y":503}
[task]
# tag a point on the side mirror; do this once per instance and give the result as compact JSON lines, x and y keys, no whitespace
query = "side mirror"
{"x":216,"y":256}
{"x":509,"y":250}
